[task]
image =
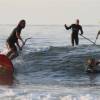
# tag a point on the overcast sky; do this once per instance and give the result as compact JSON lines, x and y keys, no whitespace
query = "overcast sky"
{"x":50,"y":11}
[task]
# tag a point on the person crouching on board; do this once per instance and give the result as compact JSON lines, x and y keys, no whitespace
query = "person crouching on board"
{"x":12,"y":40}
{"x":92,"y":63}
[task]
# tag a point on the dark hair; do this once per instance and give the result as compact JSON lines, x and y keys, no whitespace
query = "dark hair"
{"x":21,"y":21}
{"x":77,"y":20}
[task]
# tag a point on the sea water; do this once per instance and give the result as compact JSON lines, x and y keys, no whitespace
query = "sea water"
{"x":49,"y":68}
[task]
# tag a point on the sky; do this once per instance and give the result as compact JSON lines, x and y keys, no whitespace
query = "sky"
{"x":48,"y":12}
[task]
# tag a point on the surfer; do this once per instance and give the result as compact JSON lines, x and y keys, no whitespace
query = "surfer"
{"x":75,"y":30}
{"x":12,"y":40}
{"x":92,"y":64}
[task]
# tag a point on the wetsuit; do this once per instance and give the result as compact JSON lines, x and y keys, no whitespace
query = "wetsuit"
{"x":12,"y":39}
{"x":75,"y":30}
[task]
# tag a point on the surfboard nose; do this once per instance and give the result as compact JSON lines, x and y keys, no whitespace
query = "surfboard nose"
{"x":6,"y":70}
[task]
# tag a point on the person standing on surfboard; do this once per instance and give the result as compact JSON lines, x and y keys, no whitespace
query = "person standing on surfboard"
{"x":75,"y":30}
{"x":12,"y":40}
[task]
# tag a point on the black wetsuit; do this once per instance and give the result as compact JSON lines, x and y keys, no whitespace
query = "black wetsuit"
{"x":75,"y":30}
{"x":12,"y":39}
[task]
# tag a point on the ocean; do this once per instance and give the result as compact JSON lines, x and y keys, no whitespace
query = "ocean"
{"x":49,"y":68}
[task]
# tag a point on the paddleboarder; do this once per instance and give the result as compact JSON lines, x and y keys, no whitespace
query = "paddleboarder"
{"x":75,"y":31}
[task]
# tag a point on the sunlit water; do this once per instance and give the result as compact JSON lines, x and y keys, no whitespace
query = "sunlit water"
{"x":49,"y":68}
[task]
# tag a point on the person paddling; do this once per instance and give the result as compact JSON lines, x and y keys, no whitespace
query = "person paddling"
{"x":92,"y":64}
{"x":75,"y":31}
{"x":12,"y":40}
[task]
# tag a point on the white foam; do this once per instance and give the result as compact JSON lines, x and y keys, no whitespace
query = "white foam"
{"x":44,"y":97}
{"x":9,"y":92}
{"x":69,"y":97}
{"x":86,"y":97}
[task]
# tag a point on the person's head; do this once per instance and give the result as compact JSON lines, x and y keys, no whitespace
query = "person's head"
{"x":91,"y":62}
{"x":77,"y":21}
{"x":22,"y":23}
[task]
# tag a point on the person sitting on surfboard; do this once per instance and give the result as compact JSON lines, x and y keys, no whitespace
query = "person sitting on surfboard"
{"x":92,"y":63}
{"x":75,"y":30}
{"x":13,"y":40}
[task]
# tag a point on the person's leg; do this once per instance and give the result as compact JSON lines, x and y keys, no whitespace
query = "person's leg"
{"x":76,"y":40}
{"x":13,"y":55}
{"x":72,"y":40}
{"x":9,"y":53}
{"x":12,"y":51}
{"x":9,"y":47}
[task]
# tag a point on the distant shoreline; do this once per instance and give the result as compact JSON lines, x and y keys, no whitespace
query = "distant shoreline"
{"x":90,"y":25}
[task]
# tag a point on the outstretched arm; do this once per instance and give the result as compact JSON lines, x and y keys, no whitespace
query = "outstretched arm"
{"x":66,"y":27}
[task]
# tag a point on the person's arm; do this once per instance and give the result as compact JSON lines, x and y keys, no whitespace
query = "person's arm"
{"x":66,"y":27}
{"x":81,"y":30}
{"x":19,"y":37}
{"x":18,"y":45}
{"x":98,"y":34}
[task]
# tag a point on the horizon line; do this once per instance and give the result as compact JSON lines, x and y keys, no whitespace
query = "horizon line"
{"x":51,"y":24}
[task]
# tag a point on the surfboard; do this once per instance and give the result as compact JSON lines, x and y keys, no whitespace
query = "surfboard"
{"x":6,"y":70}
{"x":6,"y":66}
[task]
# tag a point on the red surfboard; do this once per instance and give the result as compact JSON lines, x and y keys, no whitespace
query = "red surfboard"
{"x":5,"y":63}
{"x":6,"y":70}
